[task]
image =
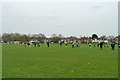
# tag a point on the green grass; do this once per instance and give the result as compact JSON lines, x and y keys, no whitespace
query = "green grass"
{"x":59,"y":62}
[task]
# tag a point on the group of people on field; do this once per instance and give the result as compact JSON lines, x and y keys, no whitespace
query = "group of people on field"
{"x":35,"y":44}
{"x":73,"y":44}
{"x":101,"y":45}
{"x":77,"y":44}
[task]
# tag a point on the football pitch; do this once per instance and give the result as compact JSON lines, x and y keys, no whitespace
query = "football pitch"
{"x":19,"y":61}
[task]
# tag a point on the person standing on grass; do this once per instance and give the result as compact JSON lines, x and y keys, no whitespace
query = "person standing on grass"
{"x":25,"y":44}
{"x":72,"y":45}
{"x":28,"y":44}
{"x":35,"y":44}
{"x":98,"y":44}
{"x":66,"y":44}
{"x":113,"y":45}
{"x":94,"y":44}
{"x":48,"y":44}
{"x":38,"y":44}
{"x":77,"y":45}
{"x":101,"y":45}
{"x":89,"y":45}
{"x":61,"y":44}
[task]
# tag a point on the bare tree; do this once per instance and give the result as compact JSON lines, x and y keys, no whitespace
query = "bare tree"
{"x":103,"y":37}
{"x":110,"y":38}
{"x":7,"y":37}
{"x":56,"y":38}
{"x":41,"y":37}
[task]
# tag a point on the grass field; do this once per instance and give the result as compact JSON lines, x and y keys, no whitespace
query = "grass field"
{"x":59,"y":62}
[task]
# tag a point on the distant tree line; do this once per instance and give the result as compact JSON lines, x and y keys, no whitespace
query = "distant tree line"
{"x":41,"y":37}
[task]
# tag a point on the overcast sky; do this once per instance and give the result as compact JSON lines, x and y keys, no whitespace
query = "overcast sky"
{"x":69,"y":18}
